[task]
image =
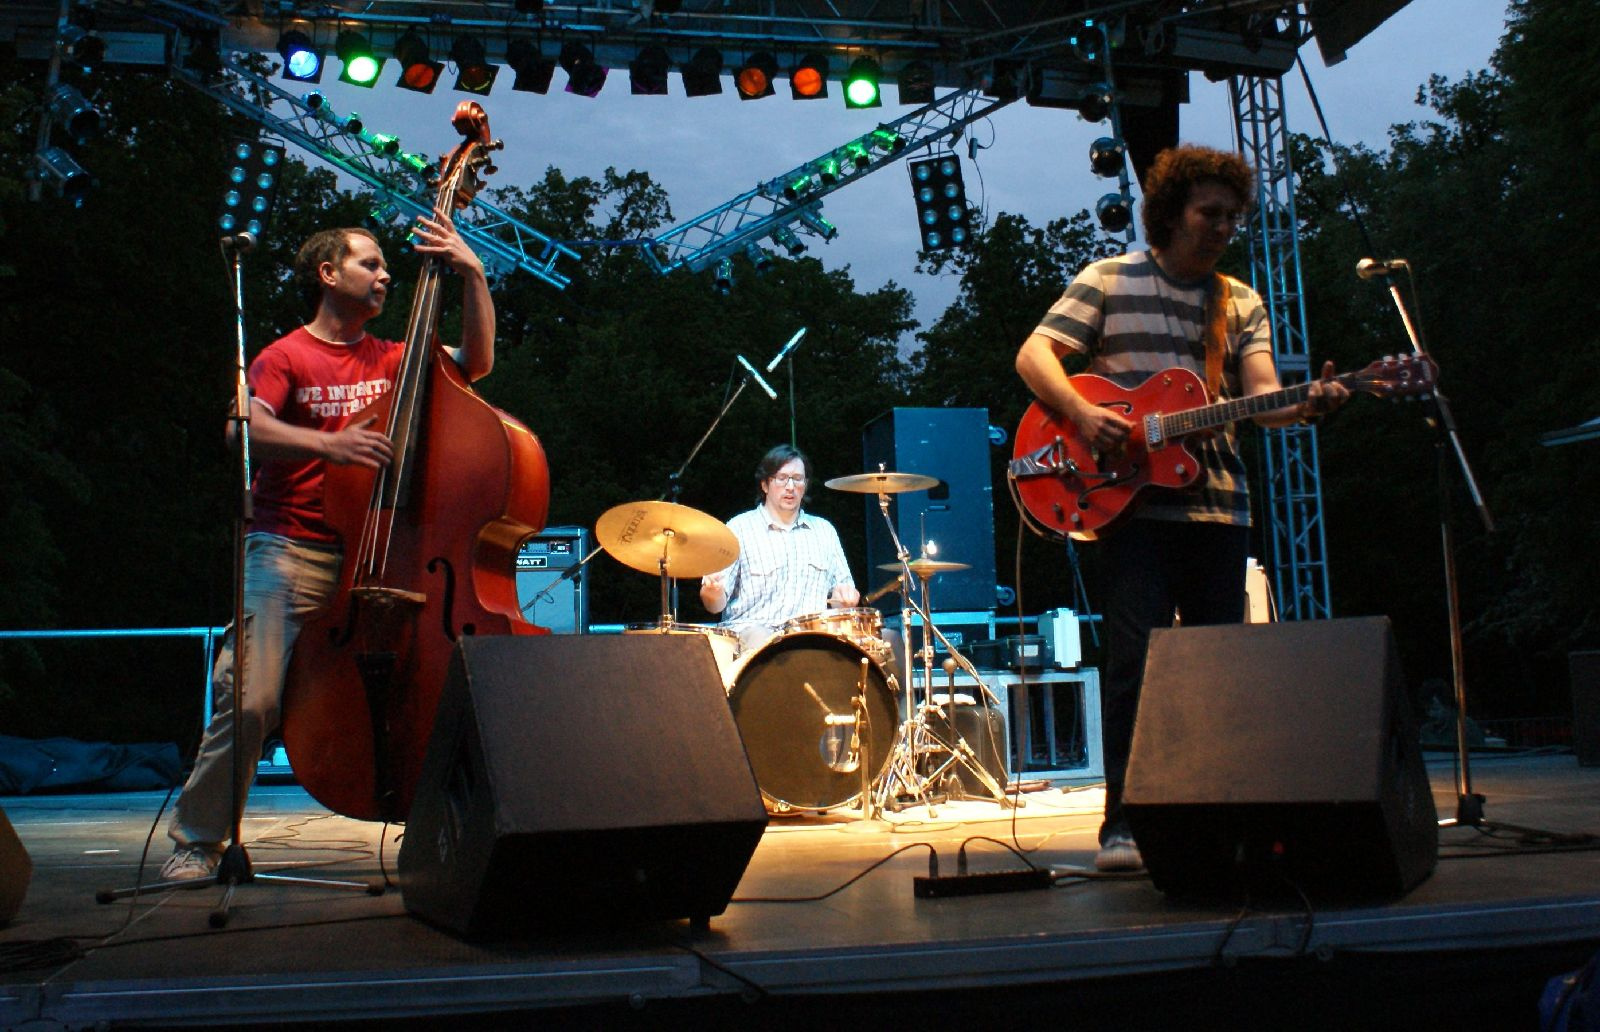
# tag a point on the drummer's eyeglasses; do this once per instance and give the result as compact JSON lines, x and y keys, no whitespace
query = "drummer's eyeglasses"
{"x":789,"y":478}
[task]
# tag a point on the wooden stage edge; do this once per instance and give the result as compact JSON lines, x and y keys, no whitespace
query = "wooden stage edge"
{"x":1468,"y":948}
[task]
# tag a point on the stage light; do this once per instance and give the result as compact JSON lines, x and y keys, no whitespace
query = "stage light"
{"x":819,"y":225}
{"x":942,"y":216}
{"x":82,"y":48}
{"x":784,"y":237}
{"x":666,"y":6}
{"x":702,"y":76}
{"x":916,"y":83}
{"x":301,"y":62}
{"x":809,"y":80}
{"x":361,"y":65}
{"x":353,"y":123}
{"x":529,"y":7}
{"x":760,"y":260}
{"x":585,"y":77}
{"x":829,"y":169}
{"x":74,"y":114}
{"x":1107,"y":157}
{"x":799,"y":186}
{"x":647,"y":73}
{"x":251,"y":188}
{"x":887,"y":140}
{"x":722,"y":279}
{"x":474,"y":73}
{"x":1114,"y":211}
{"x":754,"y":77}
{"x":382,"y":144}
{"x":861,"y":84}
{"x":1096,"y":104}
{"x":534,"y":70}
{"x":204,"y":56}
{"x":418,"y":72}
{"x":857,"y":154}
{"x":72,"y":182}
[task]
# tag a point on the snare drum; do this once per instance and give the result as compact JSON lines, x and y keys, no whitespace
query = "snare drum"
{"x":862,"y":626}
{"x":724,"y":643}
{"x":792,"y":700}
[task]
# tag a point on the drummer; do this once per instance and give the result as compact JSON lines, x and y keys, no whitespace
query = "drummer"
{"x":790,"y":562}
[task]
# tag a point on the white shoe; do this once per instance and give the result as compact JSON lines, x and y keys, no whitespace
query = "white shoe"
{"x":1119,"y":853}
{"x":189,"y":863}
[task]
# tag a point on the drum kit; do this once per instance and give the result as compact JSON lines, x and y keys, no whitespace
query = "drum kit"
{"x":827,"y":719}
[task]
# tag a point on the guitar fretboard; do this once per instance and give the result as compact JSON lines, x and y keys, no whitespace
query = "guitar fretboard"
{"x":1209,"y":417}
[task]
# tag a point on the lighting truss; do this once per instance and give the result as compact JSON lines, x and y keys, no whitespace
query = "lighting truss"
{"x":402,"y":179}
{"x":757,"y":213}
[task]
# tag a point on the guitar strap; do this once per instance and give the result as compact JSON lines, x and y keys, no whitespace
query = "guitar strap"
{"x":1216,"y":333}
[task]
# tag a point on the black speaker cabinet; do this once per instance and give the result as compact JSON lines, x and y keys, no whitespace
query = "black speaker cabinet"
{"x":579,"y":781}
{"x":546,"y":599}
{"x":1584,"y":668}
{"x":957,"y":514}
{"x":16,"y":869}
{"x":1272,"y":755}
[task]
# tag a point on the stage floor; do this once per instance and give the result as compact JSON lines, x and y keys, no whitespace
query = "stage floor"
{"x":1475,"y":941}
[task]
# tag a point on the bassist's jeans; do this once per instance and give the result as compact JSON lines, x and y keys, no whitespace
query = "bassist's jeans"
{"x":286,"y":583}
{"x":1156,"y":567}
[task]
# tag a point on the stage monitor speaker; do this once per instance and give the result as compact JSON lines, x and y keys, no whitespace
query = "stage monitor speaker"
{"x":546,"y":599}
{"x":951,"y":444}
{"x":1269,"y":756}
{"x":16,"y":870}
{"x":579,"y":781}
{"x":1584,"y":668}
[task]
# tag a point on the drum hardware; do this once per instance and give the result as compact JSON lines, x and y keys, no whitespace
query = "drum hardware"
{"x":914,"y":737}
{"x":667,"y":539}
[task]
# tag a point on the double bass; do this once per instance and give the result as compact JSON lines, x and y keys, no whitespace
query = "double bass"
{"x":430,"y":544}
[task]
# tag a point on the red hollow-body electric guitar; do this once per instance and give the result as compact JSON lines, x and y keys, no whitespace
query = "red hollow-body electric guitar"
{"x":1065,"y":488}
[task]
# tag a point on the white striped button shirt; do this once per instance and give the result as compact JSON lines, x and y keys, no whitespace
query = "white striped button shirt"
{"x":782,"y":571}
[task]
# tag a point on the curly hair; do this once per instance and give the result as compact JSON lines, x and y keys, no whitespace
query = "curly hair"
{"x":329,"y":245}
{"x":776,"y":459}
{"x":1174,"y":173}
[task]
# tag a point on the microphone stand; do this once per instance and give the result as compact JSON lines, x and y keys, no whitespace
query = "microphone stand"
{"x":234,"y":869}
{"x":674,"y":489}
{"x":1469,"y":804}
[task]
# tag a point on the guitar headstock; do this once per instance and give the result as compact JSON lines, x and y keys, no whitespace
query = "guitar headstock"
{"x":1398,"y":376}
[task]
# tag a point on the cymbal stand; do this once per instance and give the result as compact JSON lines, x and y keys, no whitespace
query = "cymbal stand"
{"x":913,"y":737}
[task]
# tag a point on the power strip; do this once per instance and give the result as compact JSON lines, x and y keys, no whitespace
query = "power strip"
{"x":983,"y":884}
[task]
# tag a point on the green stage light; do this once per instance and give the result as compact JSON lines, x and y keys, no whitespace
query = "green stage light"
{"x":861,"y":84}
{"x":361,"y":65}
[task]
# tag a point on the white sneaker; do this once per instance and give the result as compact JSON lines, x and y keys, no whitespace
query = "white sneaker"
{"x":189,"y":863}
{"x":1118,"y":853}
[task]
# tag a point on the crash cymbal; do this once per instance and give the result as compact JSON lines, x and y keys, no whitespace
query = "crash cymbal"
{"x":883,"y":483}
{"x":640,"y":534}
{"x":927,"y":567}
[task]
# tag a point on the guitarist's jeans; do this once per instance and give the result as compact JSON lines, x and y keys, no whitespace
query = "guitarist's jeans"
{"x":1156,"y":567}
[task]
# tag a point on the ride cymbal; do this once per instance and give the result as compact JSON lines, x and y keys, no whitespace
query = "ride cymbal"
{"x":640,"y":535}
{"x":927,"y":567}
{"x":882,"y":482}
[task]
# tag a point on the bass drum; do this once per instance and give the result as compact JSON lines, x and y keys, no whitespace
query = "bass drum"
{"x":792,"y":700}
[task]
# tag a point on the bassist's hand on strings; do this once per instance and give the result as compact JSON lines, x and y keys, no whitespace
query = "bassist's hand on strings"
{"x":436,"y":235}
{"x":356,"y":445}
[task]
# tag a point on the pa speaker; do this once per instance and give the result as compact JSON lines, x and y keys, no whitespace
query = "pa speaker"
{"x":16,"y":869}
{"x":1273,"y":756}
{"x":585,"y":780}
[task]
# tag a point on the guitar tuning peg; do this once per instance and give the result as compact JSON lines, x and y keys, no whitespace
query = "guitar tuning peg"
{"x":497,"y":145}
{"x":490,"y":169}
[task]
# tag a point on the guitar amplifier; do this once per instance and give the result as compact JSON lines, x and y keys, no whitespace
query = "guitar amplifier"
{"x":546,"y":599}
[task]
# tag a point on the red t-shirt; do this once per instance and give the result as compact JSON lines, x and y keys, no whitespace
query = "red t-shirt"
{"x":311,"y":383}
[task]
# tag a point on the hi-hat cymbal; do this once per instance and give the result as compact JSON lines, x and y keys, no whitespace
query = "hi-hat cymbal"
{"x":641,"y":534}
{"x":883,"y":483}
{"x":927,"y":567}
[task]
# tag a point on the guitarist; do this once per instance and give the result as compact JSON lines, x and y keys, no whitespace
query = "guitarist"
{"x":1134,"y":315}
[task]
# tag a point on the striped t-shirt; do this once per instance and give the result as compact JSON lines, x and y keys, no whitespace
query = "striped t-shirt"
{"x":1133,"y":320}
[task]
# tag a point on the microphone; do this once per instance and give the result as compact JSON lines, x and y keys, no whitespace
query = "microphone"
{"x":784,"y":353}
{"x":240,"y":242}
{"x":764,"y":385}
{"x":1372,"y":268}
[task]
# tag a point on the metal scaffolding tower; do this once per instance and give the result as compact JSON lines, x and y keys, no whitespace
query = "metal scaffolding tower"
{"x":1293,"y":503}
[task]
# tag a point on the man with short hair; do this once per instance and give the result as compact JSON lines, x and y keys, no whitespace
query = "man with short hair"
{"x":308,"y":390}
{"x":790,"y":562}
{"x":1134,"y":315}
